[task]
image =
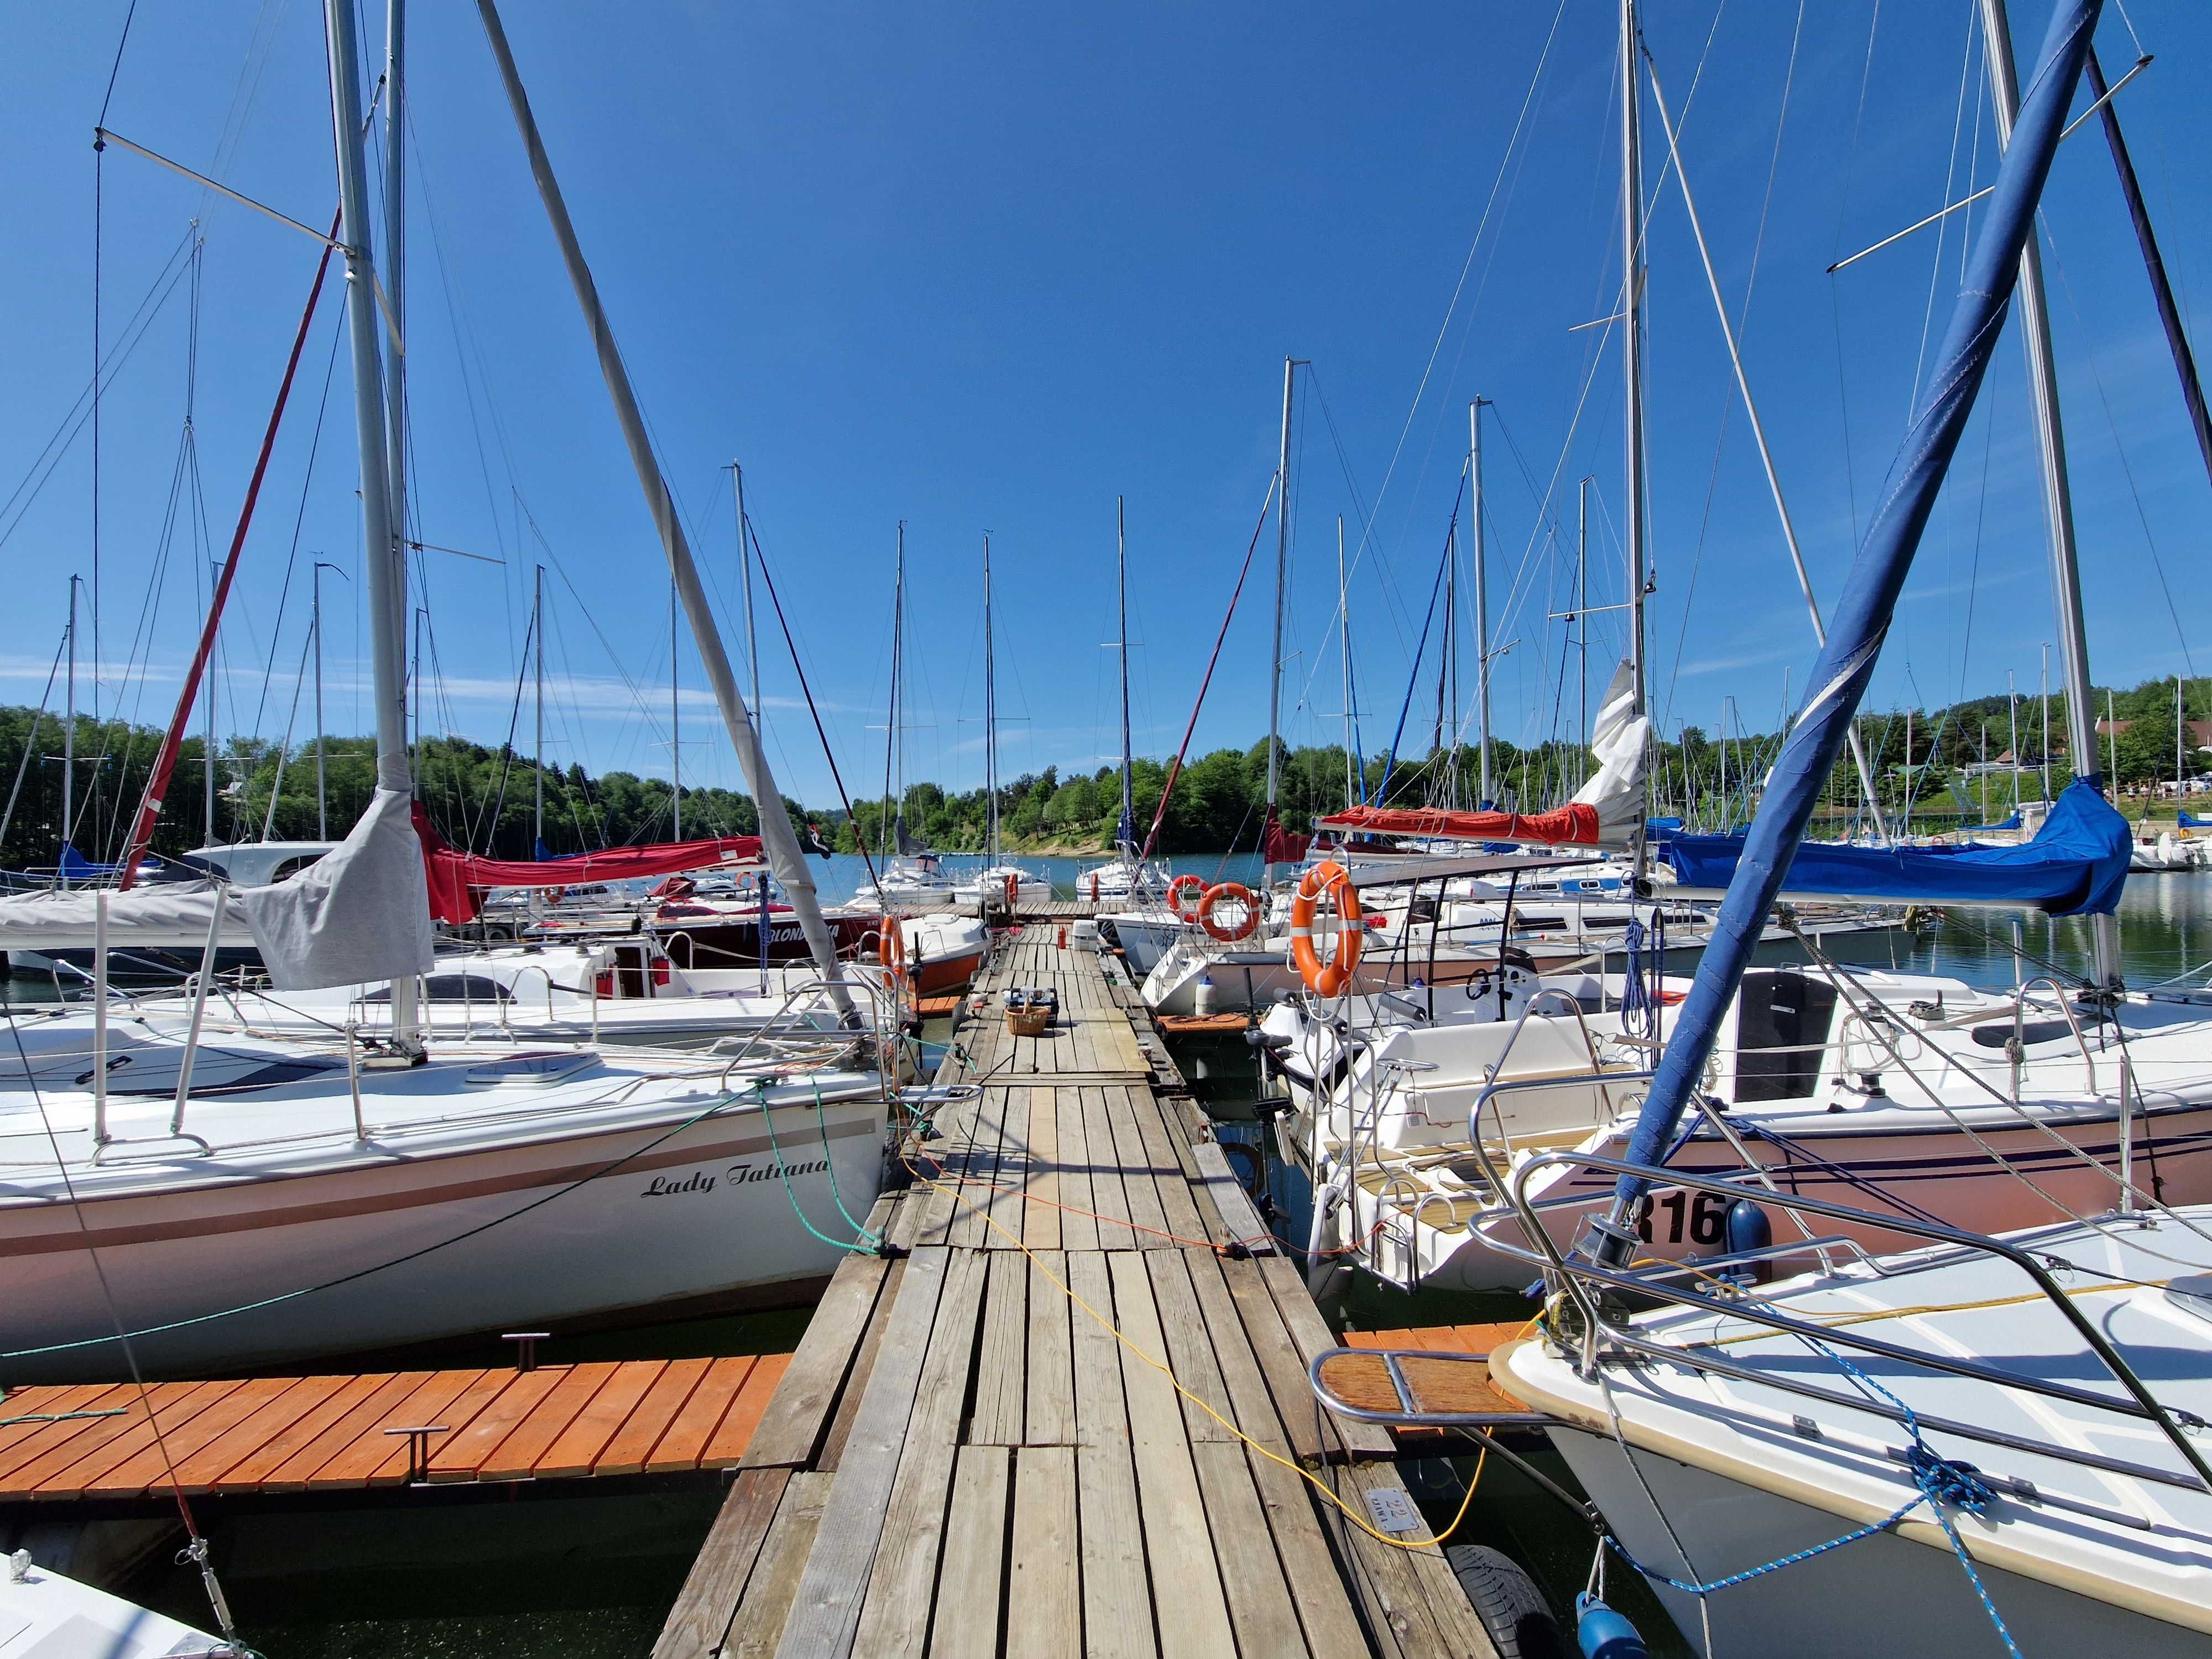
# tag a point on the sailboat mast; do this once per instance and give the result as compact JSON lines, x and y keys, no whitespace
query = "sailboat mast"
{"x":1481,"y":597}
{"x":1352,"y":794}
{"x":538,"y":633}
{"x":1282,"y":576}
{"x":2012,"y":718}
{"x":675,"y":728}
{"x":1127,"y":822}
{"x":779,"y":838}
{"x":2180,"y":773}
{"x":894,"y":772}
{"x":745,"y":571}
{"x":395,"y":270}
{"x":68,"y":723}
{"x":1582,"y":627}
{"x":990,"y":715}
{"x":384,"y":565}
{"x":1631,"y":350}
{"x":207,"y":771}
{"x":2058,"y":491}
{"x":315,"y":627}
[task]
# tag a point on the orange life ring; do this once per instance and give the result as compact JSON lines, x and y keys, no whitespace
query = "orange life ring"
{"x":891,"y":949}
{"x":1330,"y":979}
{"x":555,"y":895}
{"x":1013,"y":892}
{"x":1186,"y":883}
{"x":1242,"y":895}
{"x":1094,"y":888}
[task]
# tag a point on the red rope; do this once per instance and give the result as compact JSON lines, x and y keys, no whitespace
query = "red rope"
{"x":157,"y":781}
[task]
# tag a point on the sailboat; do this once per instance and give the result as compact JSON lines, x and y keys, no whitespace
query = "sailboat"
{"x":997,"y":882}
{"x":183,"y":1202}
{"x":1127,"y":877}
{"x":1920,"y":1094}
{"x":2001,"y":1431}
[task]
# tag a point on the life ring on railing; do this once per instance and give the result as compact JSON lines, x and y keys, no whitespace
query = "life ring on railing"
{"x":1013,"y":892}
{"x":1330,"y":979}
{"x":891,"y":950}
{"x":555,"y":895}
{"x":1186,"y":883}
{"x":1240,"y":894}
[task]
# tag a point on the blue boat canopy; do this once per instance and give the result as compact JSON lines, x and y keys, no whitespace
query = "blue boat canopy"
{"x":2075,"y":865}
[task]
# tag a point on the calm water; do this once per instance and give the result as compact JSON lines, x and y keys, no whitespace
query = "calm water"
{"x":546,"y":1572}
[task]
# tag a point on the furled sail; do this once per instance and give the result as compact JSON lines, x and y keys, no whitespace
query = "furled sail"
{"x":2075,"y":865}
{"x":458,"y":879}
{"x":1603,"y":812}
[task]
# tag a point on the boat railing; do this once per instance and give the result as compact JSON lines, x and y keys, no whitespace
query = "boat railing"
{"x":1581,"y":1278}
{"x":1601,"y":1080}
{"x":2019,"y":1030}
{"x":790,"y":1018}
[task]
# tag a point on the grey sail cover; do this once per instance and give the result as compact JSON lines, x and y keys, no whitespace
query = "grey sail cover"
{"x":360,"y":913}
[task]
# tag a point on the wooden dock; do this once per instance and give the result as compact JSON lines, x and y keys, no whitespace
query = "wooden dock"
{"x":1073,"y":1418}
{"x":291,"y":1434}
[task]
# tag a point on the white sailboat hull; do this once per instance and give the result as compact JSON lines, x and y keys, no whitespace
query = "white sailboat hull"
{"x":218,"y":1261}
{"x":1886,"y":1594}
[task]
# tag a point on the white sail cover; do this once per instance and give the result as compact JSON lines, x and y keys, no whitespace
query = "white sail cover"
{"x":1619,"y":744}
{"x":360,"y":913}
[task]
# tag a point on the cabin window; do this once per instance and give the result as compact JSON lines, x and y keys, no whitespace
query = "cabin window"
{"x":1782,"y":1034}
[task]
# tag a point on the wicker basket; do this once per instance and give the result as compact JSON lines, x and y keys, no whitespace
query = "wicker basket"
{"x":1029,"y":1020}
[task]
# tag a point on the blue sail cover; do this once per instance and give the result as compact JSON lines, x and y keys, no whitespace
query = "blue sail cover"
{"x":2190,"y":821}
{"x":2075,"y":865}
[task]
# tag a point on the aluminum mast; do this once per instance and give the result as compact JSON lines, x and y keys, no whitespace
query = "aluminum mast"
{"x":780,"y":840}
{"x":2057,"y":489}
{"x":384,"y":560}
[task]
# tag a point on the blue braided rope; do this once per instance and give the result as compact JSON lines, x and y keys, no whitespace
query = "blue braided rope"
{"x":1776,"y":1565}
{"x":1942,"y":1480}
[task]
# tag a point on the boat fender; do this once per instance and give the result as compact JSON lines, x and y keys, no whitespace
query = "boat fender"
{"x":1604,"y":1634}
{"x":1514,"y":1613}
{"x":1748,"y":1229}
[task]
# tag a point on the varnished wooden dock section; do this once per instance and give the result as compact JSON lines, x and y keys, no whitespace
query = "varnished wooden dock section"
{"x":336,"y":1434}
{"x":980,"y":1447}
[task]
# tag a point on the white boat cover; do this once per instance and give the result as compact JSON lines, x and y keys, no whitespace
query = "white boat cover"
{"x":360,"y":913}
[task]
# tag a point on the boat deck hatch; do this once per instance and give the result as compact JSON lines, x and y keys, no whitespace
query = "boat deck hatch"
{"x":552,"y":1067}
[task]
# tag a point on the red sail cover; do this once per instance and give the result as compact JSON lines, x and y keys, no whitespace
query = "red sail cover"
{"x":1279,"y":846}
{"x":458,"y":879}
{"x":1574,"y":824}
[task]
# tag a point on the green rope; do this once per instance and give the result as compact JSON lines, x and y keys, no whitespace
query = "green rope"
{"x":822,"y":1123}
{"x":768,"y":1116}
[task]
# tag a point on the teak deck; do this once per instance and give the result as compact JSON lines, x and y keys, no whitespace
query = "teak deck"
{"x":964,"y":1458}
{"x":333,"y":1433}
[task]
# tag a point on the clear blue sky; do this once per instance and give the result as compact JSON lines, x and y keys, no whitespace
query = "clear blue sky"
{"x":985,"y":267}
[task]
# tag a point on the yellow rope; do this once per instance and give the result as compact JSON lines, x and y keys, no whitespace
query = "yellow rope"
{"x":1161,"y":1366}
{"x":1880,"y":1314}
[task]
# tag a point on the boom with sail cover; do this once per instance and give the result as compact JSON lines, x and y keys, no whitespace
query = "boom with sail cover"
{"x":458,"y":880}
{"x":2075,"y":865}
{"x":1861,"y":621}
